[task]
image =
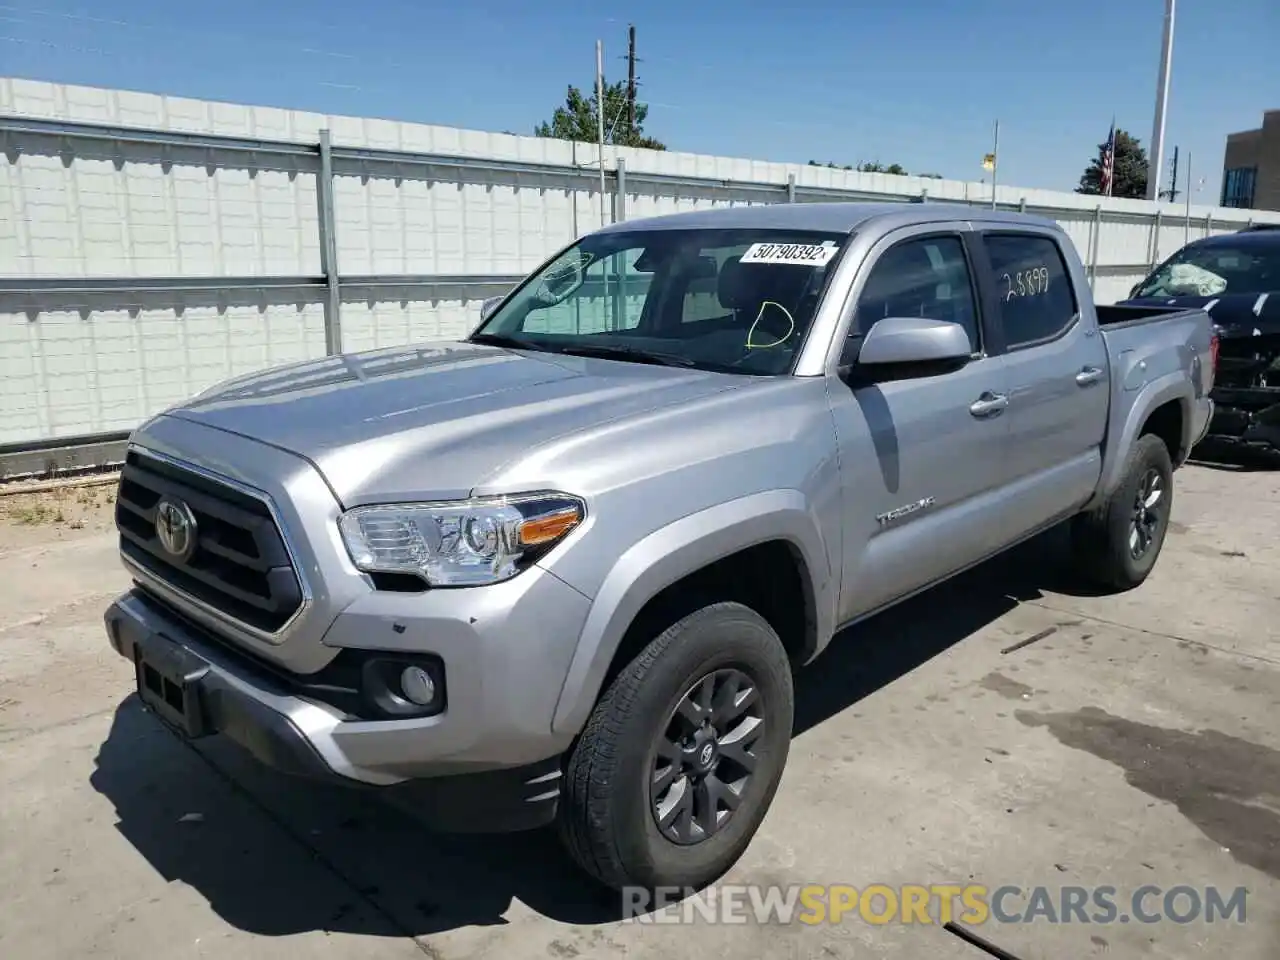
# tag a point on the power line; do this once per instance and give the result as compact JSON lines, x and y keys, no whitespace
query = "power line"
{"x":631,"y":102}
{"x":358,"y":84}
{"x":50,"y":45}
{"x":203,"y":33}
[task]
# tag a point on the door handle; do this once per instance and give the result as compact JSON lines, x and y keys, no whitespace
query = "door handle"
{"x":989,"y":405}
{"x":1088,"y":376}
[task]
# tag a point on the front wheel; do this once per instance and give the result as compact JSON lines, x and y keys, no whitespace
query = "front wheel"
{"x":680,"y":759}
{"x":1117,"y":543}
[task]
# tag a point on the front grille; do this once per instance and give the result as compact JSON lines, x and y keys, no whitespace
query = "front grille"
{"x":239,"y":565}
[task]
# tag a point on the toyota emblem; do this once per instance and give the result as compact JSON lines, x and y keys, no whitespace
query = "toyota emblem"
{"x":708,"y":752}
{"x":176,"y":528}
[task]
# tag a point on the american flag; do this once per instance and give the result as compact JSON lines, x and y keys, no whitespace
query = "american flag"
{"x":1108,"y":166}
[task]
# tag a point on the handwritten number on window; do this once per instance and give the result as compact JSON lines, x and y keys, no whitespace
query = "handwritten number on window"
{"x":1031,"y":282}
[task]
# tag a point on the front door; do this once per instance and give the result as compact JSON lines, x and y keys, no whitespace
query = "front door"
{"x":921,"y":459}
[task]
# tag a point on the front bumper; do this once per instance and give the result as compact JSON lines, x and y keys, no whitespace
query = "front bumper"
{"x":201,"y":687}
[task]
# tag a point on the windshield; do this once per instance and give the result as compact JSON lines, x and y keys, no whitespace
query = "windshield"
{"x":1215,"y":269}
{"x":737,"y":301}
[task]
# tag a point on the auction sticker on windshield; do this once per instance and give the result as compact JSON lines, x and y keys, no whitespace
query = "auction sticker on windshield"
{"x":804,"y":254}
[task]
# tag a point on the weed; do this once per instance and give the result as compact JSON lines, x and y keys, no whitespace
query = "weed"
{"x":35,"y":513}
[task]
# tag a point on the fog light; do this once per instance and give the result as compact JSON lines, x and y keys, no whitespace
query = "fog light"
{"x":417,"y":686}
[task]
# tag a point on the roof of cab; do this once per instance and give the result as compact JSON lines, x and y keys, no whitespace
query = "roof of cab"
{"x":844,"y":217}
{"x":1265,"y":238}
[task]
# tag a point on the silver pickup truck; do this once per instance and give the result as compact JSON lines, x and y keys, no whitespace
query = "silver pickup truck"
{"x":563,"y":570}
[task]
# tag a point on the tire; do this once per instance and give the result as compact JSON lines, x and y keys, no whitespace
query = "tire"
{"x":606,"y":817}
{"x":1101,"y":537}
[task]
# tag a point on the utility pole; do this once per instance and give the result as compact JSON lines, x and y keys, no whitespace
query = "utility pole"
{"x":1172,"y":193}
{"x":631,"y":77}
{"x":600,"y":119}
{"x":1155,"y":160}
{"x":1186,"y":230}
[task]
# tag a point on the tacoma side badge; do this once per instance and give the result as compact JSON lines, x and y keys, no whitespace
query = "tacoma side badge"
{"x":897,"y":513}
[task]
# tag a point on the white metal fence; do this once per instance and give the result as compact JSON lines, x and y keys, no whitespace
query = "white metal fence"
{"x":150,"y":246}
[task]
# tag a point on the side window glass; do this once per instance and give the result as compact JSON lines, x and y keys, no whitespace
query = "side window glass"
{"x":929,"y":278}
{"x":1034,"y":293}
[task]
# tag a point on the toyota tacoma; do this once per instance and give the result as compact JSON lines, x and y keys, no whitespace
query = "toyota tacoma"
{"x":561,"y":571}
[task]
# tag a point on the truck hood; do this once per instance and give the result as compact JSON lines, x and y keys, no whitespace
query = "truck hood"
{"x":435,"y":421}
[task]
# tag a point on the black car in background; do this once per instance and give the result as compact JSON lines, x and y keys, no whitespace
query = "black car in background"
{"x":1235,"y":278}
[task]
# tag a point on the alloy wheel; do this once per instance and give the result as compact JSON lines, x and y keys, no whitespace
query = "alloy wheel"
{"x":704,"y":756}
{"x":1148,"y":506}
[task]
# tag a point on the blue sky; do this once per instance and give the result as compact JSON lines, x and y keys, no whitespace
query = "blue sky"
{"x":918,"y":82}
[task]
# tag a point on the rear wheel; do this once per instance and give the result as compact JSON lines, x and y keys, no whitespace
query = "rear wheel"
{"x":681,"y":757}
{"x":1116,"y":544}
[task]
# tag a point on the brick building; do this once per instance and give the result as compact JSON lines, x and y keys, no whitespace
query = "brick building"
{"x":1251,"y":167}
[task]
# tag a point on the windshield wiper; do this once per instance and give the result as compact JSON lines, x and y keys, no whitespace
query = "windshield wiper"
{"x":502,"y":340}
{"x":608,"y":352}
{"x":617,"y":352}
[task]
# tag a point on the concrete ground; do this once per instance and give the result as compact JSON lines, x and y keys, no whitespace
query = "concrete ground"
{"x":1134,"y":744}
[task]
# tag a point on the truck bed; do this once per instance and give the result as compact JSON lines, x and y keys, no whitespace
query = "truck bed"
{"x":1122,"y":314}
{"x":1149,"y":349}
{"x":1146,"y":343}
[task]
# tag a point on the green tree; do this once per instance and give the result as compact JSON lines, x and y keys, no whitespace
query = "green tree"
{"x":577,"y":119}
{"x":1130,"y":169}
{"x":896,"y":169}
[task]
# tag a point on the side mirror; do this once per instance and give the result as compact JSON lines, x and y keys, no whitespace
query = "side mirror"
{"x":915,"y":341}
{"x":487,"y":308}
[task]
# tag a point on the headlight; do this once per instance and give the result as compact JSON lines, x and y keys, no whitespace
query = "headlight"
{"x":460,"y":543}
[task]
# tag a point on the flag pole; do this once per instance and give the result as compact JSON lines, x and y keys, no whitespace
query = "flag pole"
{"x":995,"y":163}
{"x":1155,"y":158}
{"x":1111,"y":180}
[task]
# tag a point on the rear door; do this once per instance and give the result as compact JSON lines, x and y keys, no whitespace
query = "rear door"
{"x":1056,"y":364}
{"x":921,"y":457}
